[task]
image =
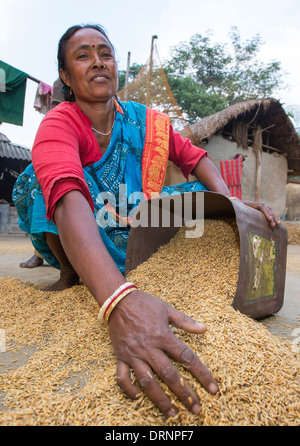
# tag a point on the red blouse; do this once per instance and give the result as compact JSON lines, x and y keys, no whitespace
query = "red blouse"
{"x":65,"y":143}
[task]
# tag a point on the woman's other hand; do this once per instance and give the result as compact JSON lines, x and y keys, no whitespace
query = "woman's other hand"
{"x":266,"y":210}
{"x":144,"y":342}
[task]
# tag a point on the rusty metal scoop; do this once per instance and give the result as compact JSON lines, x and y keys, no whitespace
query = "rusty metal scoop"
{"x":263,"y":250}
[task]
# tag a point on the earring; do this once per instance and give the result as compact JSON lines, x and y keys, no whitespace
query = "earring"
{"x":70,"y":92}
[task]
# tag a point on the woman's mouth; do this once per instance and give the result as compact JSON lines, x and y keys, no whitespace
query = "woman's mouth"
{"x":99,"y":78}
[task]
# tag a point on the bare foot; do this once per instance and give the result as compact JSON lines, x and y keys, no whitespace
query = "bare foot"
{"x":32,"y":263}
{"x":67,"y":280}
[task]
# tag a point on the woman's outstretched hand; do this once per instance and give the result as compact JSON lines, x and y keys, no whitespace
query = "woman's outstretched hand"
{"x":143,"y":341}
{"x":266,"y":210}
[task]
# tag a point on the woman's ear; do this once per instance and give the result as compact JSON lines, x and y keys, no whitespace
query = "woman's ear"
{"x":64,"y":77}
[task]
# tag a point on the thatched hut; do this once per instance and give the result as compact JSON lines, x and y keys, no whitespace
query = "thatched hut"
{"x":262,"y":133}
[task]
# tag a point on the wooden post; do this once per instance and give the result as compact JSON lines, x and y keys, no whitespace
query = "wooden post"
{"x":257,"y":146}
{"x":150,"y":71}
{"x":127,"y":76}
{"x":258,"y":175}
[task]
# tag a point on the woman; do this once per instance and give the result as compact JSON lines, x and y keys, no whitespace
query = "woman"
{"x":90,"y":147}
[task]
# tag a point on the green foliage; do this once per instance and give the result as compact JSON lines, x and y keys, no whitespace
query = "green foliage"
{"x":133,"y":72}
{"x":194,"y":99}
{"x":206,"y":77}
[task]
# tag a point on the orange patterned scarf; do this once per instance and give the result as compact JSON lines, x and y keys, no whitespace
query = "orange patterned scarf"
{"x":155,"y":153}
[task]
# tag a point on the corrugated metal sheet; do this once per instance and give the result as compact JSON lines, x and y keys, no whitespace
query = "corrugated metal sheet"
{"x":13,"y":151}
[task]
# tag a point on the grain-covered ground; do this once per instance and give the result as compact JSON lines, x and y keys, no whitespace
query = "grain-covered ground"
{"x":68,"y":378}
{"x":293,"y":228}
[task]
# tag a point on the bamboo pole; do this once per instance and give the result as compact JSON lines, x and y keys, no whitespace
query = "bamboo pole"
{"x":257,"y":146}
{"x":127,"y":76}
{"x":150,"y":71}
{"x":258,"y":175}
{"x":33,"y":79}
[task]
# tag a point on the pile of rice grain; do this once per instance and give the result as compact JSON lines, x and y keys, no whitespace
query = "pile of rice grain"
{"x":70,"y":379}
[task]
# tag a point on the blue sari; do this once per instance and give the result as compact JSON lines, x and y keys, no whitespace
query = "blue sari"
{"x":116,"y":178}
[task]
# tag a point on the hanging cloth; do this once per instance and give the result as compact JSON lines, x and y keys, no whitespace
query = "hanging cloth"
{"x":231,"y":172}
{"x":43,"y":98}
{"x":13,"y":98}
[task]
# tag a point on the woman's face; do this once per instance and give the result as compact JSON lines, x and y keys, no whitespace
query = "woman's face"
{"x":91,"y":68}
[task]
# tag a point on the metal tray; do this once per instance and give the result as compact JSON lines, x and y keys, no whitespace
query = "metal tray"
{"x":263,"y":250}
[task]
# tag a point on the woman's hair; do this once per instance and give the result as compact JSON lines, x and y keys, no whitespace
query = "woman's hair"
{"x":62,"y":46}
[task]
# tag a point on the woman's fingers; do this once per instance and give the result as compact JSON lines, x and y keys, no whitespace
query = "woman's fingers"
{"x":266,"y":210}
{"x":147,"y":382}
{"x":270,"y":215}
{"x":169,"y":374}
{"x":126,"y":381}
{"x":172,"y":378}
{"x":146,"y":346}
{"x":184,"y":355}
{"x":185,"y":322}
{"x":158,"y":362}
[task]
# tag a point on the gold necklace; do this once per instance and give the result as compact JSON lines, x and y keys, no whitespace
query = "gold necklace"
{"x":105,"y":134}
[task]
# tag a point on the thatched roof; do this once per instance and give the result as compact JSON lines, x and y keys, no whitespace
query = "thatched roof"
{"x":266,"y":113}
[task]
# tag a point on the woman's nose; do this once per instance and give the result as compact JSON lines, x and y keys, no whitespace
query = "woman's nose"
{"x":97,"y":62}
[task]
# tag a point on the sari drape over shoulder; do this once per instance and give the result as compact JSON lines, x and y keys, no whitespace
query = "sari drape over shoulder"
{"x":132,"y":169}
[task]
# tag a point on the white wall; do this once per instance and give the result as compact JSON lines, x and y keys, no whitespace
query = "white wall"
{"x":273,"y":173}
{"x":293,"y":201}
